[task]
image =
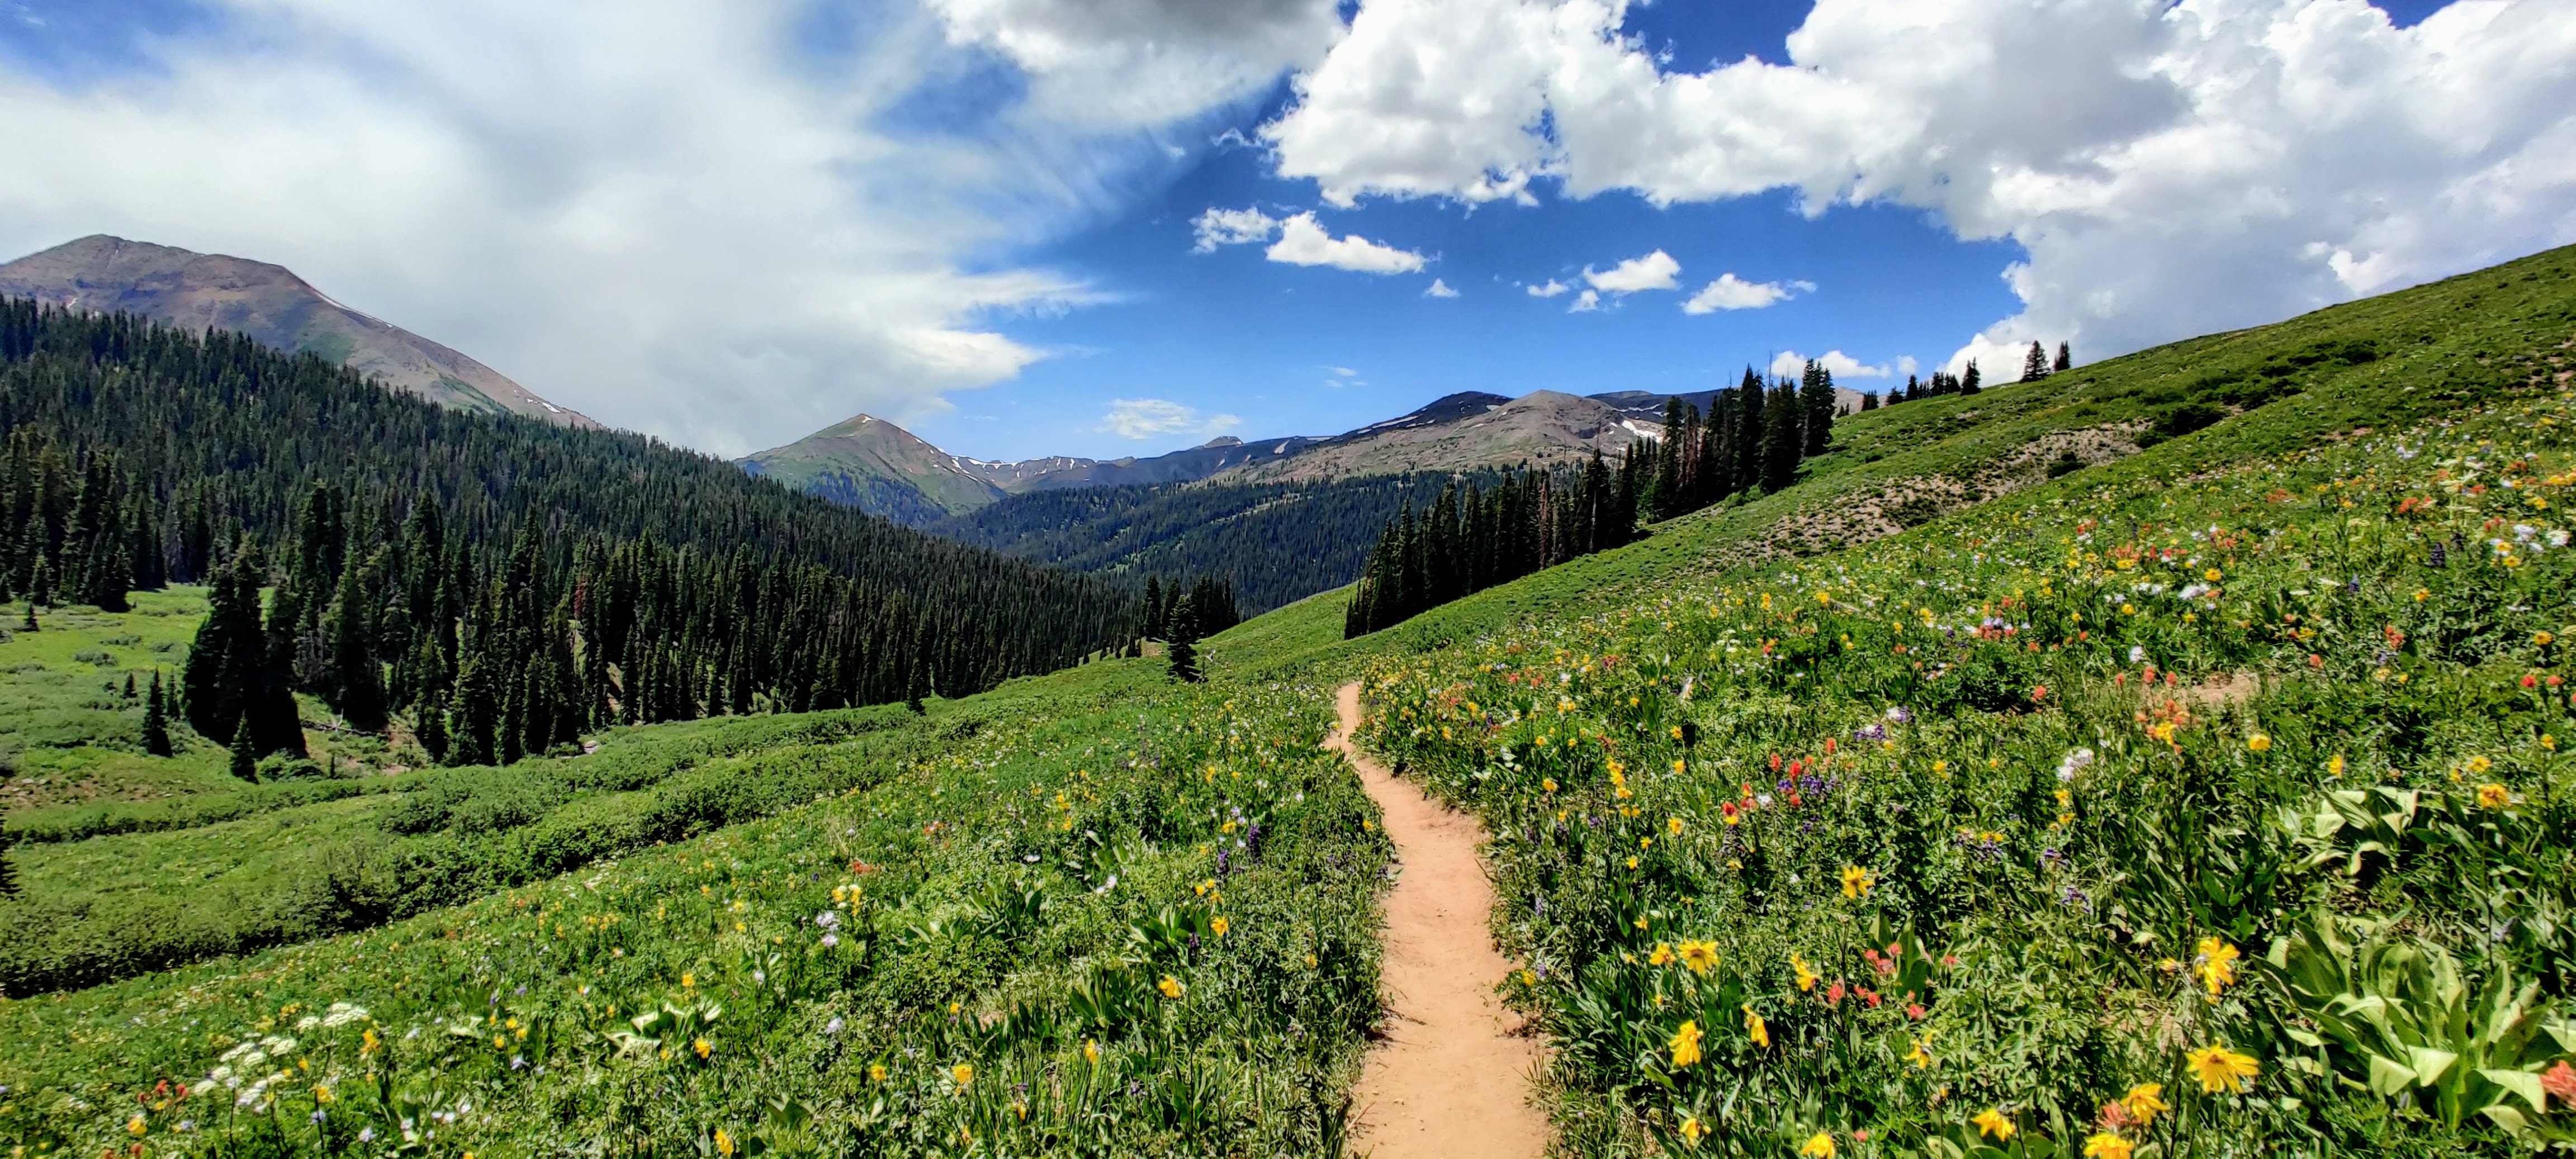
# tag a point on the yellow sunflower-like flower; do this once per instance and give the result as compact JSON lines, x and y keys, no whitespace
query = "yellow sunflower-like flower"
{"x":2259,"y":743}
{"x":1694,"y":1130}
{"x":2221,"y":1069}
{"x":1170,"y":986}
{"x":1700,"y":957}
{"x":2144,"y":1101}
{"x":1993,"y":1125}
{"x":2215,"y":965}
{"x":2494,"y":796}
{"x":1663,"y":955}
{"x":1806,"y":977}
{"x":963,"y":1073}
{"x":2107,"y":1146}
{"x":1755,"y":1028}
{"x":1857,"y":881}
{"x":1818,"y":1146}
{"x":1685,"y":1044}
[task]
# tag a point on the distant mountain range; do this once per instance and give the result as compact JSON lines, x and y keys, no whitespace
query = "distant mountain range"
{"x":274,"y":307}
{"x":879,"y":467}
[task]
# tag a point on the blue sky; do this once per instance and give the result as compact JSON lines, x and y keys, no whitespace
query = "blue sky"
{"x":730,"y":224}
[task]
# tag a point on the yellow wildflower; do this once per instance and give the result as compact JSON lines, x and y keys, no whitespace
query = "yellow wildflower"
{"x":1170,"y":986}
{"x":1992,"y":1124}
{"x":1219,"y":926}
{"x":1090,"y":1051}
{"x":1754,"y":1027}
{"x":2494,"y":796}
{"x":1920,"y":1056}
{"x":724,"y":1143}
{"x":1685,"y":1044}
{"x":702,"y":1048}
{"x":1673,"y":825}
{"x":2478,"y":766}
{"x":2219,"y":1068}
{"x":135,"y":1125}
{"x":1857,"y":881}
{"x":1806,"y":977}
{"x":1818,"y":1146}
{"x":963,"y":1073}
{"x":1547,"y":784}
{"x":876,"y":1072}
{"x":1663,"y":955}
{"x":2107,"y":1146}
{"x":1694,"y":1130}
{"x":2143,"y":1102}
{"x":2216,"y":965}
{"x":1699,"y":956}
{"x":2259,"y":743}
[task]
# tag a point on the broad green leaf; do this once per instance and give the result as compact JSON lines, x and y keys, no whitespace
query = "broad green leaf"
{"x":2522,"y":1083}
{"x":2389,"y":1078}
{"x":2430,"y":1063}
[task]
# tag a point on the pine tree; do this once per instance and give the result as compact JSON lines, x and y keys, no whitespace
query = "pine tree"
{"x":1781,"y":439}
{"x":40,"y":583}
{"x":1154,"y":610}
{"x":1750,"y":428}
{"x":2034,"y":365}
{"x":1968,"y":381}
{"x":1869,"y":400}
{"x":29,"y":624}
{"x":245,"y":761}
{"x":356,"y":682}
{"x":430,"y":726}
{"x":156,"y":722}
{"x":2065,"y":359}
{"x":1816,"y":398}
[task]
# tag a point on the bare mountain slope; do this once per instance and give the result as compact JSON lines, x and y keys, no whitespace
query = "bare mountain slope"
{"x":877,"y":467}
{"x":1539,"y":428}
{"x":183,"y":288}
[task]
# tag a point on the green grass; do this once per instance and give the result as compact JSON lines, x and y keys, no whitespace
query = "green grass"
{"x":67,"y":733}
{"x":683,"y":867}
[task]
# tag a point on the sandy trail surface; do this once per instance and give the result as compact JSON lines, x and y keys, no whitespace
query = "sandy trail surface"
{"x":1451,"y":1076}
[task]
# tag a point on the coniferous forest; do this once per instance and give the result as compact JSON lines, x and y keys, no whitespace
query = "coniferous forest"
{"x":506,"y":582}
{"x":1752,"y":438}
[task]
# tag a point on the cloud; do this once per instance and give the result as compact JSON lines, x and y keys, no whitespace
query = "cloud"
{"x":1439,"y":289}
{"x":670,"y":215}
{"x":1729,"y":292}
{"x":1585,"y":303}
{"x":1218,"y":227}
{"x":1145,"y":418}
{"x":1104,"y":64}
{"x":1550,"y":289}
{"x":2169,"y":169}
{"x":1790,"y":364}
{"x":1305,"y":242}
{"x":1655,"y":271}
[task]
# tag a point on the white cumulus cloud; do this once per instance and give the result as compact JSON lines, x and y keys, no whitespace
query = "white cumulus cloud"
{"x":1790,"y":364}
{"x":1439,"y":289}
{"x":1729,"y":292}
{"x":1218,"y":227}
{"x":1548,"y":289}
{"x":1585,"y":302}
{"x":1145,"y":418}
{"x":2169,"y":169}
{"x":1655,"y":271}
{"x":1303,"y":241}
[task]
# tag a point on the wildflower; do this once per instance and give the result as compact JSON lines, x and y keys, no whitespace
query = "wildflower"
{"x":2334,"y":766}
{"x":1992,"y":1124}
{"x":1806,"y":977}
{"x":702,"y":1048}
{"x":1693,"y":1129}
{"x":2478,"y":766}
{"x":724,"y":1143}
{"x":1920,"y":1056}
{"x":1856,"y":881}
{"x":876,"y":1072}
{"x":2560,"y":1080}
{"x":2107,"y":1146}
{"x":1754,"y":1027}
{"x":1663,"y":955}
{"x":2143,"y":1102}
{"x":963,"y":1073}
{"x":1685,"y":1044}
{"x":1699,"y":956}
{"x":1547,"y":784}
{"x":134,"y":1125}
{"x":688,"y":981}
{"x":1170,"y":986}
{"x":2259,"y":743}
{"x":1819,"y":1146}
{"x":1673,"y":825}
{"x":2493,"y":796}
{"x":1219,"y":926}
{"x":2219,"y":1068}
{"x":2215,"y":965}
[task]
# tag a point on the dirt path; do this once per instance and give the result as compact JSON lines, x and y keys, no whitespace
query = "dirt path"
{"x":1450,"y":1078}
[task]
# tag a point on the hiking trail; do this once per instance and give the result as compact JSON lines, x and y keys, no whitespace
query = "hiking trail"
{"x":1451,"y":1074}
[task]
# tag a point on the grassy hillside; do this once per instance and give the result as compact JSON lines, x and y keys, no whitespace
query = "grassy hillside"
{"x":1780,"y":829}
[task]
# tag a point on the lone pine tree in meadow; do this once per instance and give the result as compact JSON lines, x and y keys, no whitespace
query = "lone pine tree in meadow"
{"x":2034,"y":365}
{"x":2065,"y":359}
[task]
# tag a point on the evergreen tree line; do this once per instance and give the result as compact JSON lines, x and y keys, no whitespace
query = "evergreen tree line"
{"x":1181,"y":618}
{"x":509,"y":581}
{"x":1272,"y":543}
{"x":1752,"y":437}
{"x":1471,"y":540}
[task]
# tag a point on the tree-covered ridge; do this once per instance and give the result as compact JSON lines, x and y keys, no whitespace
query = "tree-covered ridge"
{"x":543,"y":578}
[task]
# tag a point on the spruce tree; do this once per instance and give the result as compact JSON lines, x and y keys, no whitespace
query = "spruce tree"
{"x":1154,"y":611}
{"x":2034,"y":365}
{"x":2065,"y":359}
{"x":1750,"y":428}
{"x":1816,"y":399}
{"x":1781,"y":439}
{"x":1968,"y":381}
{"x":1869,"y":400}
{"x":29,"y":624}
{"x":245,"y":761}
{"x":156,"y":722}
{"x":429,"y":726}
{"x":356,"y":683}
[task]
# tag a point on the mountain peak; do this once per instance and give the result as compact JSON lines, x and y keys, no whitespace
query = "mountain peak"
{"x":272,"y":305}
